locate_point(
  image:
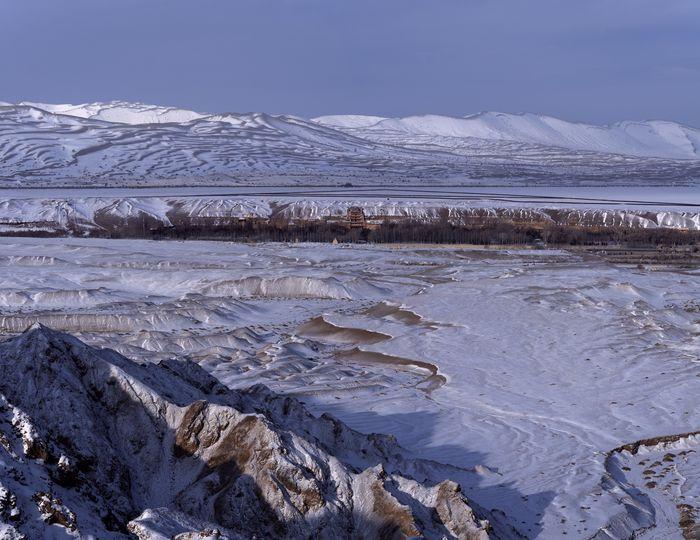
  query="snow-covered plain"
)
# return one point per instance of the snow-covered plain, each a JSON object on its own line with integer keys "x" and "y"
{"x": 131, "y": 144}
{"x": 531, "y": 369}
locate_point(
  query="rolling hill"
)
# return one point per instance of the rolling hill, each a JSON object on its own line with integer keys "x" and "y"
{"x": 125, "y": 144}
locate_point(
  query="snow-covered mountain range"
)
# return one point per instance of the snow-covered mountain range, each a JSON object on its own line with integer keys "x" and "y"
{"x": 642, "y": 139}
{"x": 121, "y": 143}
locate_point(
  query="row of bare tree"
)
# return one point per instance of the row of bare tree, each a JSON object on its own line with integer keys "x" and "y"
{"x": 440, "y": 231}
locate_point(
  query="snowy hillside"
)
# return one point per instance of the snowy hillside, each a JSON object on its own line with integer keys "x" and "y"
{"x": 124, "y": 144}
{"x": 96, "y": 445}
{"x": 642, "y": 139}
{"x": 120, "y": 112}
{"x": 38, "y": 146}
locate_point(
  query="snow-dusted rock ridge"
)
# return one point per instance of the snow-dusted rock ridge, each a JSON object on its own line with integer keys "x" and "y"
{"x": 98, "y": 215}
{"x": 133, "y": 144}
{"x": 95, "y": 444}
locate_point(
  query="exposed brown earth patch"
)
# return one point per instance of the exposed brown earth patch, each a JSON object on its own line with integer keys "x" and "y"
{"x": 430, "y": 383}
{"x": 688, "y": 522}
{"x": 634, "y": 447}
{"x": 320, "y": 328}
{"x": 397, "y": 520}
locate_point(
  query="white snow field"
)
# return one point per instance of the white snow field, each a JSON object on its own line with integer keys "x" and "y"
{"x": 131, "y": 144}
{"x": 566, "y": 389}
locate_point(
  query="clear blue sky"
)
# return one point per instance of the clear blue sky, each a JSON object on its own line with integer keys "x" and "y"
{"x": 587, "y": 60}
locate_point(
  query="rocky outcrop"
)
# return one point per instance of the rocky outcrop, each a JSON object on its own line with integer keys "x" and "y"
{"x": 650, "y": 478}
{"x": 95, "y": 444}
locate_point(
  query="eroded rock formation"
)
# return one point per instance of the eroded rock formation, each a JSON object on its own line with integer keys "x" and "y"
{"x": 95, "y": 444}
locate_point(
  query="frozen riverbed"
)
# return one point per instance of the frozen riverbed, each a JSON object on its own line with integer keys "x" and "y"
{"x": 642, "y": 197}
{"x": 529, "y": 368}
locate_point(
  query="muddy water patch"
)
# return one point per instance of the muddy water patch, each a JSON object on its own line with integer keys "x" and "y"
{"x": 389, "y": 310}
{"x": 320, "y": 328}
{"x": 432, "y": 382}
{"x": 393, "y": 311}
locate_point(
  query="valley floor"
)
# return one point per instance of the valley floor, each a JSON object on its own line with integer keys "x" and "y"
{"x": 530, "y": 369}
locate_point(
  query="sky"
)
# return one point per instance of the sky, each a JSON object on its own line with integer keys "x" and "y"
{"x": 595, "y": 61}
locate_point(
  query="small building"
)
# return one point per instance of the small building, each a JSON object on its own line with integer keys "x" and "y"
{"x": 356, "y": 217}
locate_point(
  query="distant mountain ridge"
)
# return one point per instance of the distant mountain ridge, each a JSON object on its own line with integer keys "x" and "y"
{"x": 651, "y": 138}
{"x": 121, "y": 143}
{"x": 643, "y": 139}
{"x": 121, "y": 112}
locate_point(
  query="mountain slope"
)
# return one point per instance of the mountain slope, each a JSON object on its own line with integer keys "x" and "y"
{"x": 94, "y": 444}
{"x": 124, "y": 144}
{"x": 121, "y": 112}
{"x": 38, "y": 147}
{"x": 641, "y": 139}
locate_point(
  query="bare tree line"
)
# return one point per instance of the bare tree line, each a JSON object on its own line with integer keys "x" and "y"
{"x": 441, "y": 231}
{"x": 444, "y": 228}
